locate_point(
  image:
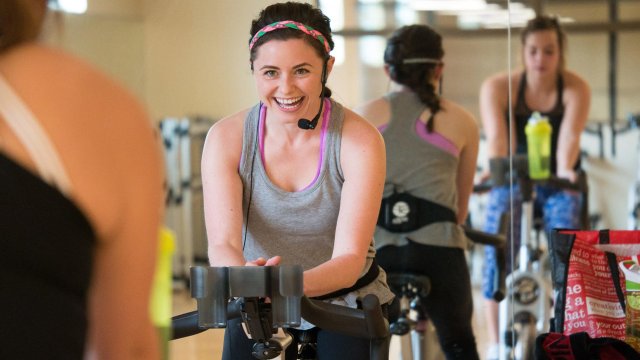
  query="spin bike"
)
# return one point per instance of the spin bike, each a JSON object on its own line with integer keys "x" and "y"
{"x": 224, "y": 293}
{"x": 634, "y": 194}
{"x": 526, "y": 310}
{"x": 413, "y": 325}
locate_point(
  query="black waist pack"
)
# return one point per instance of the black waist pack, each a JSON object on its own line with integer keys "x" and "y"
{"x": 402, "y": 212}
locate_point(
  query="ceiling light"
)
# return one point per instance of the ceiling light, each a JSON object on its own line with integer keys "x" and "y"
{"x": 70, "y": 6}
{"x": 496, "y": 17}
{"x": 448, "y": 5}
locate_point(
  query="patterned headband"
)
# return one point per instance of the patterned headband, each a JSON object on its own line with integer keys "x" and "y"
{"x": 421, "y": 61}
{"x": 292, "y": 25}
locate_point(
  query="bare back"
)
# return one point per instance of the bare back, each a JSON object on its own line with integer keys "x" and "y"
{"x": 109, "y": 152}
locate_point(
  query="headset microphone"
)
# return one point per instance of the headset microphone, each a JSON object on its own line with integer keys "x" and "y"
{"x": 311, "y": 124}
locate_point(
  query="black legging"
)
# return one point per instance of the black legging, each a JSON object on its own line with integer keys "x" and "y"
{"x": 331, "y": 346}
{"x": 450, "y": 303}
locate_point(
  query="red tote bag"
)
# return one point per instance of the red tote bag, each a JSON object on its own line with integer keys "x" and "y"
{"x": 588, "y": 285}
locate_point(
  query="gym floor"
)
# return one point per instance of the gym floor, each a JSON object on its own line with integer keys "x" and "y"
{"x": 208, "y": 344}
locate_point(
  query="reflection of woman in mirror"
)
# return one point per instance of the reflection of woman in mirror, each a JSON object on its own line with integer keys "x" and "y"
{"x": 281, "y": 190}
{"x": 80, "y": 203}
{"x": 432, "y": 146}
{"x": 546, "y": 86}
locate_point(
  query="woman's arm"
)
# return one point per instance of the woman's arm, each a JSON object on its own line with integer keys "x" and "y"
{"x": 222, "y": 189}
{"x": 577, "y": 99}
{"x": 494, "y": 94}
{"x": 362, "y": 157}
{"x": 467, "y": 163}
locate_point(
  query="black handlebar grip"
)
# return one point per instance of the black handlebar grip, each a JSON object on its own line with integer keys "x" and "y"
{"x": 499, "y": 277}
{"x": 184, "y": 325}
{"x": 481, "y": 237}
{"x": 378, "y": 328}
{"x": 377, "y": 324}
{"x": 499, "y": 242}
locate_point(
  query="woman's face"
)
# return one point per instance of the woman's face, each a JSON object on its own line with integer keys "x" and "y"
{"x": 542, "y": 53}
{"x": 288, "y": 78}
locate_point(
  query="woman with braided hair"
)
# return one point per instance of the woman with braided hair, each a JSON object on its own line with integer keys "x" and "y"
{"x": 432, "y": 146}
{"x": 297, "y": 178}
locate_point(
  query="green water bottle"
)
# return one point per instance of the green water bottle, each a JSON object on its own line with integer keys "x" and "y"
{"x": 538, "y": 131}
{"x": 162, "y": 289}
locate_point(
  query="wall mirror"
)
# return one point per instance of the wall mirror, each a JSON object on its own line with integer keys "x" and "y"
{"x": 188, "y": 59}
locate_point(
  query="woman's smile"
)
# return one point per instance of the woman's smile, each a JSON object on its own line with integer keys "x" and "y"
{"x": 289, "y": 104}
{"x": 288, "y": 77}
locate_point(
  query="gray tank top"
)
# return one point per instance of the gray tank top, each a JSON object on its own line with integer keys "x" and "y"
{"x": 421, "y": 169}
{"x": 299, "y": 226}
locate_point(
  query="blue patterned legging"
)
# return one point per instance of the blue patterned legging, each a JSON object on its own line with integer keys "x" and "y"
{"x": 560, "y": 209}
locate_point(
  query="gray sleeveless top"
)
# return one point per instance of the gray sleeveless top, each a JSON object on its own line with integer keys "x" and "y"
{"x": 421, "y": 169}
{"x": 299, "y": 226}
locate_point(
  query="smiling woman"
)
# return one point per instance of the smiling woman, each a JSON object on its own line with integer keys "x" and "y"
{"x": 282, "y": 189}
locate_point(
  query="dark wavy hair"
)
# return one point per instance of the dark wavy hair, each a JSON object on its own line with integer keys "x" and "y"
{"x": 299, "y": 12}
{"x": 20, "y": 21}
{"x": 416, "y": 41}
{"x": 543, "y": 23}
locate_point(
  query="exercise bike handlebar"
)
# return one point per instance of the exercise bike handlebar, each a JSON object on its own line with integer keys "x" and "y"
{"x": 186, "y": 324}
{"x": 367, "y": 323}
{"x": 499, "y": 242}
{"x": 504, "y": 170}
{"x": 484, "y": 238}
{"x": 244, "y": 287}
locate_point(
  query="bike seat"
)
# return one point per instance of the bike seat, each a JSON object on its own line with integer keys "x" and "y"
{"x": 401, "y": 280}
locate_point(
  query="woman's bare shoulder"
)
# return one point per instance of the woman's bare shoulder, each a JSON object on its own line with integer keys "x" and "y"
{"x": 354, "y": 123}
{"x": 61, "y": 70}
{"x": 224, "y": 139}
{"x": 361, "y": 142}
{"x": 359, "y": 134}
{"x": 230, "y": 128}
{"x": 497, "y": 81}
{"x": 457, "y": 110}
{"x": 376, "y": 111}
{"x": 459, "y": 123}
{"x": 575, "y": 81}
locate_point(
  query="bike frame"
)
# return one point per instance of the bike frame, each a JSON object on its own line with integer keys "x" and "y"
{"x": 413, "y": 326}
{"x": 634, "y": 192}
{"x": 528, "y": 303}
{"x": 528, "y": 298}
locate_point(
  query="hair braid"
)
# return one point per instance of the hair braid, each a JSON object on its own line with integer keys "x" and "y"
{"x": 416, "y": 41}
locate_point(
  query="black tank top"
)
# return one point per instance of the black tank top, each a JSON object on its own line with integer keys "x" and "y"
{"x": 46, "y": 259}
{"x": 522, "y": 113}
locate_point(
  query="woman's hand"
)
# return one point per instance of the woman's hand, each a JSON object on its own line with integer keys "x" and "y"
{"x": 568, "y": 174}
{"x": 264, "y": 262}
